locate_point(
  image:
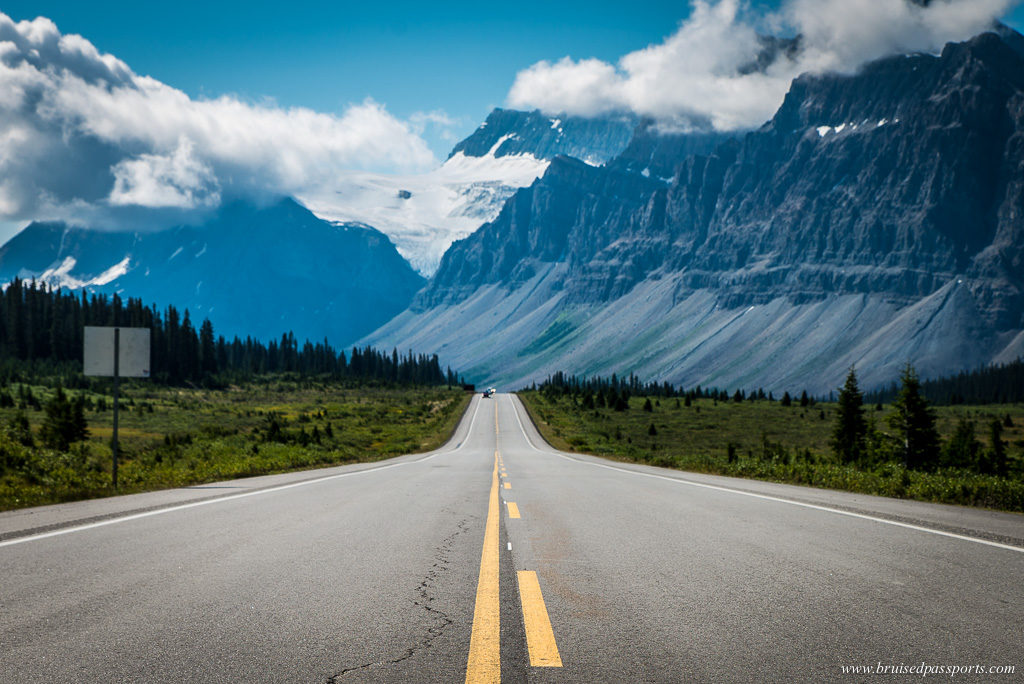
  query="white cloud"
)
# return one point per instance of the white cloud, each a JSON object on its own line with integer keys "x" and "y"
{"x": 178, "y": 180}
{"x": 81, "y": 133}
{"x": 700, "y": 75}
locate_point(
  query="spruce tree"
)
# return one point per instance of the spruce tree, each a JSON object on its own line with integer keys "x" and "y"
{"x": 963, "y": 449}
{"x": 996, "y": 461}
{"x": 849, "y": 436}
{"x": 64, "y": 422}
{"x": 914, "y": 421}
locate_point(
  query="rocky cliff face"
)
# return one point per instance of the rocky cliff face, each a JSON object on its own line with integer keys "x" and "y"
{"x": 901, "y": 185}
{"x": 656, "y": 152}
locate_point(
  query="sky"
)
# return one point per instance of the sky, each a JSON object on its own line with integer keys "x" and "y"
{"x": 111, "y": 108}
{"x": 456, "y": 58}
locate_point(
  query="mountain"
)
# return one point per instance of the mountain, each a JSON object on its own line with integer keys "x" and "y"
{"x": 506, "y": 132}
{"x": 424, "y": 213}
{"x": 252, "y": 270}
{"x": 875, "y": 220}
{"x": 654, "y": 151}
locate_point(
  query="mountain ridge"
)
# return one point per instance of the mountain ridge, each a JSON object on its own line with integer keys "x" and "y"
{"x": 896, "y": 190}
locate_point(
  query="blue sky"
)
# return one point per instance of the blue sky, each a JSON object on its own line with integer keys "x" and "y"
{"x": 459, "y": 57}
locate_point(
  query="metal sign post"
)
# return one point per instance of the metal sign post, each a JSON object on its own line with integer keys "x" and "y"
{"x": 117, "y": 363}
{"x": 117, "y": 352}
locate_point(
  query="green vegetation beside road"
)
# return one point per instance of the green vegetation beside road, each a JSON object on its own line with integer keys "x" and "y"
{"x": 174, "y": 436}
{"x": 762, "y": 439}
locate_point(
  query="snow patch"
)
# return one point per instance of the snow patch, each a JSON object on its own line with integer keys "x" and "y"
{"x": 113, "y": 273}
{"x": 176, "y": 253}
{"x": 852, "y": 126}
{"x": 555, "y": 123}
{"x": 493, "y": 152}
{"x": 445, "y": 204}
{"x": 61, "y": 275}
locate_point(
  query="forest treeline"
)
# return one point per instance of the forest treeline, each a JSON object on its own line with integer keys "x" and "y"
{"x": 996, "y": 384}
{"x": 40, "y": 326}
{"x": 614, "y": 392}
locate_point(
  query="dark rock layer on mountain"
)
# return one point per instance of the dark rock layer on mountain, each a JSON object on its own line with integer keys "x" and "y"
{"x": 902, "y": 184}
{"x": 508, "y": 132}
{"x": 256, "y": 271}
{"x": 656, "y": 151}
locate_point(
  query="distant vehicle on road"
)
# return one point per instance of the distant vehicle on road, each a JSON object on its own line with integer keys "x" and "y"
{"x": 489, "y": 391}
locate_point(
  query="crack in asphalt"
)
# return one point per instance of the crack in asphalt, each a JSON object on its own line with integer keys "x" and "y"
{"x": 423, "y": 600}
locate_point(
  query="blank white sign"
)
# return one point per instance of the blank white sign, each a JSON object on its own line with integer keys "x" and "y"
{"x": 133, "y": 347}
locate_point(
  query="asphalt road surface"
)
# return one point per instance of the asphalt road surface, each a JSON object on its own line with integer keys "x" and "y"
{"x": 498, "y": 557}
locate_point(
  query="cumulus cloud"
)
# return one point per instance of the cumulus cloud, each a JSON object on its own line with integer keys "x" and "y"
{"x": 178, "y": 180}
{"x": 82, "y": 135}
{"x": 717, "y": 70}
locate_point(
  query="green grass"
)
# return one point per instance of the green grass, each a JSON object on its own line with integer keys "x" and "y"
{"x": 173, "y": 437}
{"x": 783, "y": 444}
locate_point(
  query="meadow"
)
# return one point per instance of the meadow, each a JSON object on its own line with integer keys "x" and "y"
{"x": 765, "y": 440}
{"x": 176, "y": 437}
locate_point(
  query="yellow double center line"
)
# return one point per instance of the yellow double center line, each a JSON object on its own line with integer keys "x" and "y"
{"x": 484, "y": 663}
{"x": 485, "y": 643}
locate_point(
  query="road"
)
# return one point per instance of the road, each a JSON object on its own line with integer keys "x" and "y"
{"x": 497, "y": 556}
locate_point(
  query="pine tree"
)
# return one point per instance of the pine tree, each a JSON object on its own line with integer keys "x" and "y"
{"x": 995, "y": 463}
{"x": 786, "y": 400}
{"x": 20, "y": 430}
{"x": 207, "y": 348}
{"x": 64, "y": 422}
{"x": 914, "y": 421}
{"x": 588, "y": 400}
{"x": 963, "y": 448}
{"x": 849, "y": 436}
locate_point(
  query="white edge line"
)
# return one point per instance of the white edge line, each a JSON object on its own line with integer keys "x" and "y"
{"x": 768, "y": 497}
{"x": 233, "y": 497}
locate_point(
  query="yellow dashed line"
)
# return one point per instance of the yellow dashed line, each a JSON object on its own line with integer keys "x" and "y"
{"x": 540, "y": 638}
{"x": 513, "y": 510}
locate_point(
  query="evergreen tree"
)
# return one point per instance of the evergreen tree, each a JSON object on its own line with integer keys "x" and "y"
{"x": 804, "y": 399}
{"x": 207, "y": 348}
{"x": 786, "y": 400}
{"x": 64, "y": 422}
{"x": 914, "y": 421}
{"x": 19, "y": 428}
{"x": 588, "y": 400}
{"x": 963, "y": 448}
{"x": 850, "y": 432}
{"x": 647, "y": 405}
{"x": 996, "y": 461}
